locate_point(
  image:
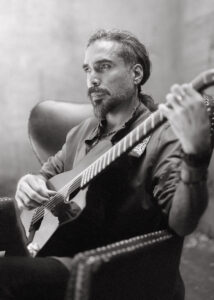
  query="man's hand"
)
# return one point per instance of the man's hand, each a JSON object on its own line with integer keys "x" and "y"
{"x": 188, "y": 117}
{"x": 32, "y": 192}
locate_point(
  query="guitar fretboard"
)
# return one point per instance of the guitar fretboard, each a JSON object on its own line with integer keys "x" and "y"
{"x": 124, "y": 145}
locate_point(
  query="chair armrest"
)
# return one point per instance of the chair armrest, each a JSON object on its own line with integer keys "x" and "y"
{"x": 138, "y": 268}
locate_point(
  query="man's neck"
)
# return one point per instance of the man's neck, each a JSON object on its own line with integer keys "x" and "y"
{"x": 121, "y": 115}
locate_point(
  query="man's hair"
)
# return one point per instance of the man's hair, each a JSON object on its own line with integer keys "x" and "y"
{"x": 132, "y": 50}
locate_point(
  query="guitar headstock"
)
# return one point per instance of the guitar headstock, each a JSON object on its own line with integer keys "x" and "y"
{"x": 200, "y": 83}
{"x": 209, "y": 101}
{"x": 203, "y": 80}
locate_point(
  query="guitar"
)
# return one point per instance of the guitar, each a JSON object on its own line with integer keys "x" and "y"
{"x": 71, "y": 186}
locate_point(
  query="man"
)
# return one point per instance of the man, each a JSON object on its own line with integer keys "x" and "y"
{"x": 161, "y": 184}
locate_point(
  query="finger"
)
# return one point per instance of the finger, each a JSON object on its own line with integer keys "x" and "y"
{"x": 178, "y": 90}
{"x": 165, "y": 110}
{"x": 46, "y": 190}
{"x": 191, "y": 92}
{"x": 173, "y": 101}
{"x": 32, "y": 194}
{"x": 23, "y": 201}
{"x": 20, "y": 203}
{"x": 51, "y": 193}
{"x": 38, "y": 185}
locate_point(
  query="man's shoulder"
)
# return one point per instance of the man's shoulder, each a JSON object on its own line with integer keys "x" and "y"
{"x": 164, "y": 138}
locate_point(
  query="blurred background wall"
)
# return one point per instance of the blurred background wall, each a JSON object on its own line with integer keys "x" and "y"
{"x": 41, "y": 53}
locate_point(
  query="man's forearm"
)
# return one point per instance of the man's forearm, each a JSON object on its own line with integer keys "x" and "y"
{"x": 189, "y": 201}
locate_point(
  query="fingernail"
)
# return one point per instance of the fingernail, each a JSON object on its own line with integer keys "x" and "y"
{"x": 186, "y": 86}
{"x": 51, "y": 192}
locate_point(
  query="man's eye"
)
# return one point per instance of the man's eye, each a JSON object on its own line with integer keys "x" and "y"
{"x": 86, "y": 70}
{"x": 105, "y": 66}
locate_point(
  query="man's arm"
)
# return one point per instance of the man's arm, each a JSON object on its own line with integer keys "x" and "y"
{"x": 31, "y": 190}
{"x": 188, "y": 118}
{"x": 189, "y": 201}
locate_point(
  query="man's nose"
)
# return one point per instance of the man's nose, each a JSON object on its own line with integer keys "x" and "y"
{"x": 94, "y": 80}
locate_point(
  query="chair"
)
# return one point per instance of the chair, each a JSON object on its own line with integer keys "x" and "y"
{"x": 49, "y": 123}
{"x": 143, "y": 267}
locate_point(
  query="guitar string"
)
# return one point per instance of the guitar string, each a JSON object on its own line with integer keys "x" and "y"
{"x": 49, "y": 206}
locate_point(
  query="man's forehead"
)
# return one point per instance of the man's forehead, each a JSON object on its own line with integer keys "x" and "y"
{"x": 102, "y": 49}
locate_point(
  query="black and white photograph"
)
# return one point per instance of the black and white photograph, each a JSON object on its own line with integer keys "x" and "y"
{"x": 106, "y": 150}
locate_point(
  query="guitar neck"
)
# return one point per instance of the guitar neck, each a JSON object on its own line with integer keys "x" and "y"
{"x": 123, "y": 146}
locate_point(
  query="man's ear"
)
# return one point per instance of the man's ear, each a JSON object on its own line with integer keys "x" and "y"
{"x": 137, "y": 70}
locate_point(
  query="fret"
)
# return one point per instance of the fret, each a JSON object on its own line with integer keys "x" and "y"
{"x": 88, "y": 173}
{"x": 118, "y": 148}
{"x": 104, "y": 161}
{"x": 83, "y": 182}
{"x": 137, "y": 133}
{"x": 124, "y": 144}
{"x": 130, "y": 139}
{"x": 113, "y": 153}
{"x": 96, "y": 164}
{"x": 109, "y": 156}
{"x": 85, "y": 176}
{"x": 145, "y": 127}
{"x": 92, "y": 171}
{"x": 153, "y": 121}
{"x": 100, "y": 164}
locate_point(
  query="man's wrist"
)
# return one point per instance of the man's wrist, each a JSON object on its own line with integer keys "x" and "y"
{"x": 199, "y": 160}
{"x": 42, "y": 176}
{"x": 192, "y": 174}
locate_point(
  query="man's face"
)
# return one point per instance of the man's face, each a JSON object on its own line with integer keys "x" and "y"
{"x": 109, "y": 79}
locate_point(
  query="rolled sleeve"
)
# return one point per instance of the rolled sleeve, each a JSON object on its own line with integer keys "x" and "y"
{"x": 166, "y": 173}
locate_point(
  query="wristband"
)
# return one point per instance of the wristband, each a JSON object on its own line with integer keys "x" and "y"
{"x": 193, "y": 175}
{"x": 196, "y": 160}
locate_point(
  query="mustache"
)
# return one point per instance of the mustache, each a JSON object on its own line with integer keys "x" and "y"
{"x": 97, "y": 90}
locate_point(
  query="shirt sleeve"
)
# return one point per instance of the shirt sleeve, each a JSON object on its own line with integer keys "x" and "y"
{"x": 64, "y": 159}
{"x": 54, "y": 165}
{"x": 166, "y": 170}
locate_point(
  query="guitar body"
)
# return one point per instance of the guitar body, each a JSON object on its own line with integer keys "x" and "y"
{"x": 48, "y": 226}
{"x": 50, "y": 223}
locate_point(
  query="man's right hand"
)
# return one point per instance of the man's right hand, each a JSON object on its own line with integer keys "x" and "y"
{"x": 32, "y": 192}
